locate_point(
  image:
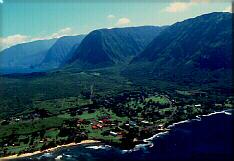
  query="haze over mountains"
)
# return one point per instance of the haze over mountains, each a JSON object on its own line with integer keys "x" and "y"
{"x": 100, "y": 48}
{"x": 39, "y": 55}
{"x": 24, "y": 56}
{"x": 195, "y": 45}
{"x": 60, "y": 52}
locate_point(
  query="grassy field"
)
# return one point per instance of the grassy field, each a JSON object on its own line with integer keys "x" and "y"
{"x": 28, "y": 127}
{"x": 59, "y": 91}
{"x": 160, "y": 99}
{"x": 55, "y": 91}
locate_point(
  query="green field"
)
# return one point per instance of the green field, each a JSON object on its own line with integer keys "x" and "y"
{"x": 159, "y": 99}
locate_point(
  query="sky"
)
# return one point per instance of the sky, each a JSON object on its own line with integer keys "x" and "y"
{"x": 29, "y": 20}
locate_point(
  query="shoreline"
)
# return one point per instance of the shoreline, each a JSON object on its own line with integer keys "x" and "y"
{"x": 147, "y": 141}
{"x": 48, "y": 150}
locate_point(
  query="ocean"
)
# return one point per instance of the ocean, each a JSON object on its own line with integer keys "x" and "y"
{"x": 207, "y": 138}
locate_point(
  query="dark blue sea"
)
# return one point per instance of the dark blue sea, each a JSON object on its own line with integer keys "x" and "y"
{"x": 205, "y": 138}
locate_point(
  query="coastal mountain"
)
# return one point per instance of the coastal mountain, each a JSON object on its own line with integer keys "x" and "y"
{"x": 106, "y": 47}
{"x": 41, "y": 55}
{"x": 199, "y": 48}
{"x": 61, "y": 51}
{"x": 23, "y": 57}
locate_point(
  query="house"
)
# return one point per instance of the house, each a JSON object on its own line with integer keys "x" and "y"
{"x": 106, "y": 121}
{"x": 197, "y": 105}
{"x": 17, "y": 119}
{"x": 99, "y": 125}
{"x": 160, "y": 126}
{"x": 113, "y": 133}
{"x": 94, "y": 127}
{"x": 145, "y": 122}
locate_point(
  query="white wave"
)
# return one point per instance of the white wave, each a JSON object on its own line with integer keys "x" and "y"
{"x": 124, "y": 151}
{"x": 177, "y": 123}
{"x": 198, "y": 118}
{"x": 47, "y": 155}
{"x": 148, "y": 141}
{"x": 228, "y": 113}
{"x": 58, "y": 157}
{"x": 99, "y": 147}
{"x": 67, "y": 155}
{"x": 213, "y": 113}
{"x": 155, "y": 136}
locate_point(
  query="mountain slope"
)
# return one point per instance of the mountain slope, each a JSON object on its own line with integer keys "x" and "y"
{"x": 106, "y": 47}
{"x": 60, "y": 52}
{"x": 197, "y": 47}
{"x": 24, "y": 56}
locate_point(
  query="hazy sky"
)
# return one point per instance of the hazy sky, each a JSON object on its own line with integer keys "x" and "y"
{"x": 28, "y": 20}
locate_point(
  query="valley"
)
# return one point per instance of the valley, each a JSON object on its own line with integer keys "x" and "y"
{"x": 113, "y": 110}
{"x": 116, "y": 86}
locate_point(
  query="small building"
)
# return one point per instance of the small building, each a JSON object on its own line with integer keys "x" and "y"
{"x": 145, "y": 122}
{"x": 17, "y": 119}
{"x": 106, "y": 121}
{"x": 197, "y": 105}
{"x": 99, "y": 125}
{"x": 113, "y": 133}
{"x": 160, "y": 126}
{"x": 94, "y": 127}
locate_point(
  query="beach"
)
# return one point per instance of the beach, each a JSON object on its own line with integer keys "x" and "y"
{"x": 150, "y": 142}
{"x": 48, "y": 150}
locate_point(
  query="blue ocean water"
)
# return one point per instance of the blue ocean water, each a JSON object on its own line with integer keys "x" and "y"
{"x": 205, "y": 138}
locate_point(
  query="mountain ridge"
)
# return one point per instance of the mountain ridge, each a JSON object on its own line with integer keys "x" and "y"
{"x": 106, "y": 47}
{"x": 60, "y": 52}
{"x": 194, "y": 50}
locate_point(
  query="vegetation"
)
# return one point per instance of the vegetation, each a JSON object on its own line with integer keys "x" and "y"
{"x": 122, "y": 104}
{"x": 123, "y": 114}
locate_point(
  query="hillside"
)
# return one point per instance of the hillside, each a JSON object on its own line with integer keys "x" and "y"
{"x": 106, "y": 47}
{"x": 197, "y": 49}
{"x": 24, "y": 57}
{"x": 60, "y": 52}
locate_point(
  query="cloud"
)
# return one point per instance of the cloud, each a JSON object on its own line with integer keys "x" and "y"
{"x": 200, "y": 1}
{"x": 18, "y": 38}
{"x": 123, "y": 21}
{"x": 178, "y": 6}
{"x": 1, "y": 1}
{"x": 228, "y": 9}
{"x": 183, "y": 6}
{"x": 60, "y": 33}
{"x": 13, "y": 40}
{"x": 111, "y": 16}
{"x": 63, "y": 32}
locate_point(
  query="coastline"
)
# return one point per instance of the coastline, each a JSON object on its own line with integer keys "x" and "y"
{"x": 147, "y": 141}
{"x": 48, "y": 150}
